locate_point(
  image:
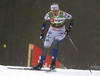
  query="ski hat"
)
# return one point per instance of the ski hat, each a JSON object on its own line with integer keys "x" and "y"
{"x": 54, "y": 7}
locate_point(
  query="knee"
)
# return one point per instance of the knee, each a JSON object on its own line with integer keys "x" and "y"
{"x": 55, "y": 44}
{"x": 47, "y": 44}
{"x": 45, "y": 51}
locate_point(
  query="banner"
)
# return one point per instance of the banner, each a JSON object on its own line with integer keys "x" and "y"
{"x": 36, "y": 57}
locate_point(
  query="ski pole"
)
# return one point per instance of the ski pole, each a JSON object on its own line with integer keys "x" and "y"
{"x": 79, "y": 54}
{"x": 72, "y": 42}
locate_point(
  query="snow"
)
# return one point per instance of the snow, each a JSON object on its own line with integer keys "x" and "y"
{"x": 4, "y": 71}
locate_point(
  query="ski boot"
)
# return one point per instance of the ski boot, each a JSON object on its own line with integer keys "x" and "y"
{"x": 53, "y": 64}
{"x": 37, "y": 67}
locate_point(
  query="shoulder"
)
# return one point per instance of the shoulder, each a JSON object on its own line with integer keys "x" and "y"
{"x": 48, "y": 13}
{"x": 66, "y": 15}
{"x": 63, "y": 12}
{"x": 46, "y": 17}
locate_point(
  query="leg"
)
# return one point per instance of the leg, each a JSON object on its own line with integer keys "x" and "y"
{"x": 56, "y": 42}
{"x": 55, "y": 48}
{"x": 47, "y": 45}
{"x": 48, "y": 41}
{"x": 54, "y": 53}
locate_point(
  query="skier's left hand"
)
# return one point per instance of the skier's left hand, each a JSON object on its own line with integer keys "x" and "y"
{"x": 67, "y": 32}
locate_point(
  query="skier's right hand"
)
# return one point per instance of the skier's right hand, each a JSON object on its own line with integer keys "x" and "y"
{"x": 41, "y": 36}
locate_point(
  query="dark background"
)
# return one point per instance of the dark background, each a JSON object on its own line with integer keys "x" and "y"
{"x": 20, "y": 24}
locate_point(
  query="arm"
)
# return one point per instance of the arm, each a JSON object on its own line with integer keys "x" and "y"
{"x": 70, "y": 26}
{"x": 43, "y": 28}
{"x": 68, "y": 16}
{"x": 46, "y": 17}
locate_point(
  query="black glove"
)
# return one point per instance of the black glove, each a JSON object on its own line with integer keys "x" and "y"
{"x": 67, "y": 32}
{"x": 42, "y": 36}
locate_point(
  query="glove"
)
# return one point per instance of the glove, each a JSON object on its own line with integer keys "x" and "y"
{"x": 67, "y": 32}
{"x": 41, "y": 36}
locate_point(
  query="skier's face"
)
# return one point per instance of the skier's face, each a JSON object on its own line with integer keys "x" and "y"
{"x": 55, "y": 12}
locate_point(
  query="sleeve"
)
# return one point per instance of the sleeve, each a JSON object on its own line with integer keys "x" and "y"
{"x": 67, "y": 16}
{"x": 46, "y": 17}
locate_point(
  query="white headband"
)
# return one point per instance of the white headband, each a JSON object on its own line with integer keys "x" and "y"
{"x": 55, "y": 7}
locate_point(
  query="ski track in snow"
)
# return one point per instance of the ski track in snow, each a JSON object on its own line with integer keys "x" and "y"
{"x": 4, "y": 71}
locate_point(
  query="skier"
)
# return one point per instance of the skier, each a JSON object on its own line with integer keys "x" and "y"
{"x": 55, "y": 34}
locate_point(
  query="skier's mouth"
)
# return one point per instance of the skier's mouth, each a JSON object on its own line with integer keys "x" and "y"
{"x": 55, "y": 14}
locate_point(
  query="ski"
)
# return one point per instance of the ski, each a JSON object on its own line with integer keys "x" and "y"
{"x": 51, "y": 70}
{"x": 18, "y": 68}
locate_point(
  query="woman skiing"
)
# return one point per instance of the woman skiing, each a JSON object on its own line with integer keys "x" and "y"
{"x": 55, "y": 34}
